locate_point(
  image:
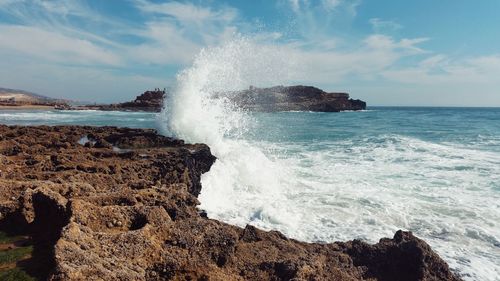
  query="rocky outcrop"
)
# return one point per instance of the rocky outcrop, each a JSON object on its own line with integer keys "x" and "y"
{"x": 293, "y": 98}
{"x": 151, "y": 101}
{"x": 279, "y": 98}
{"x": 121, "y": 204}
{"x": 148, "y": 101}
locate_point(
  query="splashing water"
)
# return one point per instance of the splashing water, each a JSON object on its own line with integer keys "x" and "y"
{"x": 195, "y": 115}
{"x": 317, "y": 177}
{"x": 192, "y": 111}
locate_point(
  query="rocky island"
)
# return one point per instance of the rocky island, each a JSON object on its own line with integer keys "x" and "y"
{"x": 106, "y": 203}
{"x": 150, "y": 101}
{"x": 293, "y": 98}
{"x": 279, "y": 98}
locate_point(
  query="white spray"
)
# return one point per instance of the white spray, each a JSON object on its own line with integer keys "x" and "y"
{"x": 193, "y": 114}
{"x": 342, "y": 189}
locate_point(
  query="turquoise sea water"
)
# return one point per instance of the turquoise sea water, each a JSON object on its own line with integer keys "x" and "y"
{"x": 338, "y": 176}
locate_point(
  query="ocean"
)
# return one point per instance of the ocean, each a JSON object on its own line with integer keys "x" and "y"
{"x": 324, "y": 177}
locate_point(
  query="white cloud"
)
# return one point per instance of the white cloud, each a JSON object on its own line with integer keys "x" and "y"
{"x": 432, "y": 61}
{"x": 316, "y": 22}
{"x": 377, "y": 54}
{"x": 331, "y": 4}
{"x": 48, "y": 39}
{"x": 442, "y": 70}
{"x": 180, "y": 30}
{"x": 165, "y": 45}
{"x": 54, "y": 13}
{"x": 53, "y": 47}
{"x": 300, "y": 6}
{"x": 188, "y": 12}
{"x": 295, "y": 4}
{"x": 175, "y": 33}
{"x": 384, "y": 42}
{"x": 383, "y": 26}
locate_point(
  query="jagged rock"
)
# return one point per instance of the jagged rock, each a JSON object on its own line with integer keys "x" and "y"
{"x": 96, "y": 213}
{"x": 151, "y": 101}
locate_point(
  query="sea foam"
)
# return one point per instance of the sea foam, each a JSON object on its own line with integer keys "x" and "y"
{"x": 331, "y": 189}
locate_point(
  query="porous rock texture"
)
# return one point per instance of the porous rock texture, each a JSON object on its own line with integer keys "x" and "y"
{"x": 105, "y": 203}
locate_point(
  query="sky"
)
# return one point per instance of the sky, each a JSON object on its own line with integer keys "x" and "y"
{"x": 386, "y": 52}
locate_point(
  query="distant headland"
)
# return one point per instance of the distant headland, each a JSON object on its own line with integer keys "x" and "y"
{"x": 19, "y": 99}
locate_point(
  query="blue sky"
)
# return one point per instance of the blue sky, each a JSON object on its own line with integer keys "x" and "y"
{"x": 387, "y": 52}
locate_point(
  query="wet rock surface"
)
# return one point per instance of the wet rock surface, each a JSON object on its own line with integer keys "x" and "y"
{"x": 105, "y": 203}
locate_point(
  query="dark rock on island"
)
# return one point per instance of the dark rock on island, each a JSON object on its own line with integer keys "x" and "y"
{"x": 150, "y": 101}
{"x": 106, "y": 203}
{"x": 294, "y": 98}
{"x": 279, "y": 98}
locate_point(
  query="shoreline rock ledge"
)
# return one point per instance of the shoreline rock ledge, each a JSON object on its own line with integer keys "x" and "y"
{"x": 105, "y": 203}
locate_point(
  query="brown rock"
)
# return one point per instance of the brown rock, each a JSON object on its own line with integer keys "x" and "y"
{"x": 293, "y": 98}
{"x": 97, "y": 213}
{"x": 147, "y": 101}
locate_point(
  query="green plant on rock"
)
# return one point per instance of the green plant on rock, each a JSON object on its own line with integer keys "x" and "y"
{"x": 10, "y": 255}
{"x": 15, "y": 255}
{"x": 15, "y": 274}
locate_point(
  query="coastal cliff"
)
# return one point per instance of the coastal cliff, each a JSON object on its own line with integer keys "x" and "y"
{"x": 106, "y": 203}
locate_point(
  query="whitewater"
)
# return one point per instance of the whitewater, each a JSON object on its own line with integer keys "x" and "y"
{"x": 316, "y": 179}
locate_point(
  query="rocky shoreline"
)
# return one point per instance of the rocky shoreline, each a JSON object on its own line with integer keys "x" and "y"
{"x": 106, "y": 203}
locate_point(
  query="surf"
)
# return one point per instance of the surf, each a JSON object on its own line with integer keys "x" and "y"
{"x": 315, "y": 178}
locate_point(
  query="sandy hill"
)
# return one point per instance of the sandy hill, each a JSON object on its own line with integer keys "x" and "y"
{"x": 13, "y": 96}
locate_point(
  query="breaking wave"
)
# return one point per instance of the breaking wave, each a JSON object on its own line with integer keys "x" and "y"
{"x": 301, "y": 178}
